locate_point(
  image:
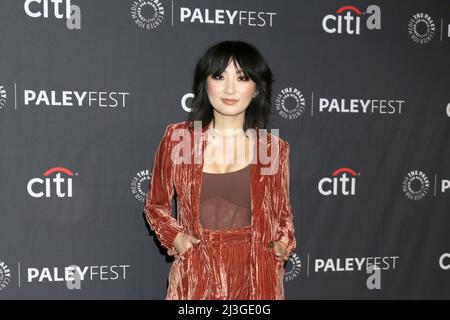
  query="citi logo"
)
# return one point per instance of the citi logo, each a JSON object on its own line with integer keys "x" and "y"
{"x": 342, "y": 182}
{"x": 44, "y": 4}
{"x": 348, "y": 20}
{"x": 444, "y": 261}
{"x": 60, "y": 184}
{"x": 62, "y": 9}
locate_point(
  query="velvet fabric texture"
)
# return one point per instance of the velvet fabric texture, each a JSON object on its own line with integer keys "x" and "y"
{"x": 228, "y": 274}
{"x": 175, "y": 171}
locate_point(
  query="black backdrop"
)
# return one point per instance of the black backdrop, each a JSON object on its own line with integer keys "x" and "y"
{"x": 361, "y": 93}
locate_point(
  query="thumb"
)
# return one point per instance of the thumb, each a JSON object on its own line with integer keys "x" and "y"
{"x": 195, "y": 240}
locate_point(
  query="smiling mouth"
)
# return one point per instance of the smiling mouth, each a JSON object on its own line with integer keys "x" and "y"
{"x": 229, "y": 101}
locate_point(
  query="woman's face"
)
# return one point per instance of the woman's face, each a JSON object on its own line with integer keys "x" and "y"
{"x": 231, "y": 92}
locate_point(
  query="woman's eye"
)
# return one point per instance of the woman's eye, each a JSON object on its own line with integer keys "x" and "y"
{"x": 219, "y": 77}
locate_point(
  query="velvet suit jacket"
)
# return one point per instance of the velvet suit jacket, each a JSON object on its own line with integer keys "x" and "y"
{"x": 271, "y": 217}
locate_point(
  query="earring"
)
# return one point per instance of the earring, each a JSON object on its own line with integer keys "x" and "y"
{"x": 255, "y": 94}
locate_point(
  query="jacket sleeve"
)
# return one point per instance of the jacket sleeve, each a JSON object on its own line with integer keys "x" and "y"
{"x": 158, "y": 202}
{"x": 285, "y": 232}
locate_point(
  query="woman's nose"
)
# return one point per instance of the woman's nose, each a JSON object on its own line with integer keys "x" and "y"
{"x": 229, "y": 86}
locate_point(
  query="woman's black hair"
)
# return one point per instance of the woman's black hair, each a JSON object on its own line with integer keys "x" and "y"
{"x": 252, "y": 64}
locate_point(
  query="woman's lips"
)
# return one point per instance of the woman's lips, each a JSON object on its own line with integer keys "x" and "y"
{"x": 229, "y": 101}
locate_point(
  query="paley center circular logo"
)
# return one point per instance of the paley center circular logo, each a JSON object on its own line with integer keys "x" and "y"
{"x": 5, "y": 275}
{"x": 448, "y": 109}
{"x": 147, "y": 14}
{"x": 293, "y": 268}
{"x": 139, "y": 183}
{"x": 416, "y": 185}
{"x": 290, "y": 103}
{"x": 421, "y": 28}
{"x": 2, "y": 97}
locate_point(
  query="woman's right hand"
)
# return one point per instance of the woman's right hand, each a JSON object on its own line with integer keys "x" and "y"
{"x": 184, "y": 241}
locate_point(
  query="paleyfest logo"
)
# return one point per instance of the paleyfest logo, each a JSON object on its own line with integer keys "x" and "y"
{"x": 149, "y": 14}
{"x": 74, "y": 275}
{"x": 73, "y": 98}
{"x": 371, "y": 265}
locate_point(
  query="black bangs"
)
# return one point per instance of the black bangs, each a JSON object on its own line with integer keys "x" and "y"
{"x": 237, "y": 53}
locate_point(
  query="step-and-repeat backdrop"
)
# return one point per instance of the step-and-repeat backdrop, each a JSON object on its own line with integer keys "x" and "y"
{"x": 361, "y": 93}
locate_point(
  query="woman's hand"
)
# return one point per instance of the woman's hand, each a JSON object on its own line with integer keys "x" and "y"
{"x": 279, "y": 249}
{"x": 184, "y": 241}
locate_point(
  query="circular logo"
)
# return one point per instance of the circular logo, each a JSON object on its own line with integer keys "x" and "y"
{"x": 416, "y": 185}
{"x": 5, "y": 275}
{"x": 137, "y": 184}
{"x": 294, "y": 266}
{"x": 2, "y": 97}
{"x": 147, "y": 14}
{"x": 448, "y": 110}
{"x": 290, "y": 103}
{"x": 421, "y": 28}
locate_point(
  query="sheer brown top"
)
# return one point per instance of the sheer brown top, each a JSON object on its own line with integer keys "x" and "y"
{"x": 225, "y": 200}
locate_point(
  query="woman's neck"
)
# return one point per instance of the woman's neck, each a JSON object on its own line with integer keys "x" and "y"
{"x": 225, "y": 125}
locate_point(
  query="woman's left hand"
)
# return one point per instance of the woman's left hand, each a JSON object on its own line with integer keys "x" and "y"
{"x": 279, "y": 250}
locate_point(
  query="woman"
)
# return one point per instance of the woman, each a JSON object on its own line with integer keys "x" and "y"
{"x": 234, "y": 227}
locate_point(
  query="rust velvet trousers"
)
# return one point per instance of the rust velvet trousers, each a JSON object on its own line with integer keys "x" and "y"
{"x": 229, "y": 274}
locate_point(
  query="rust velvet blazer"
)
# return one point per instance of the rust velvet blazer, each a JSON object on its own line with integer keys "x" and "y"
{"x": 271, "y": 217}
